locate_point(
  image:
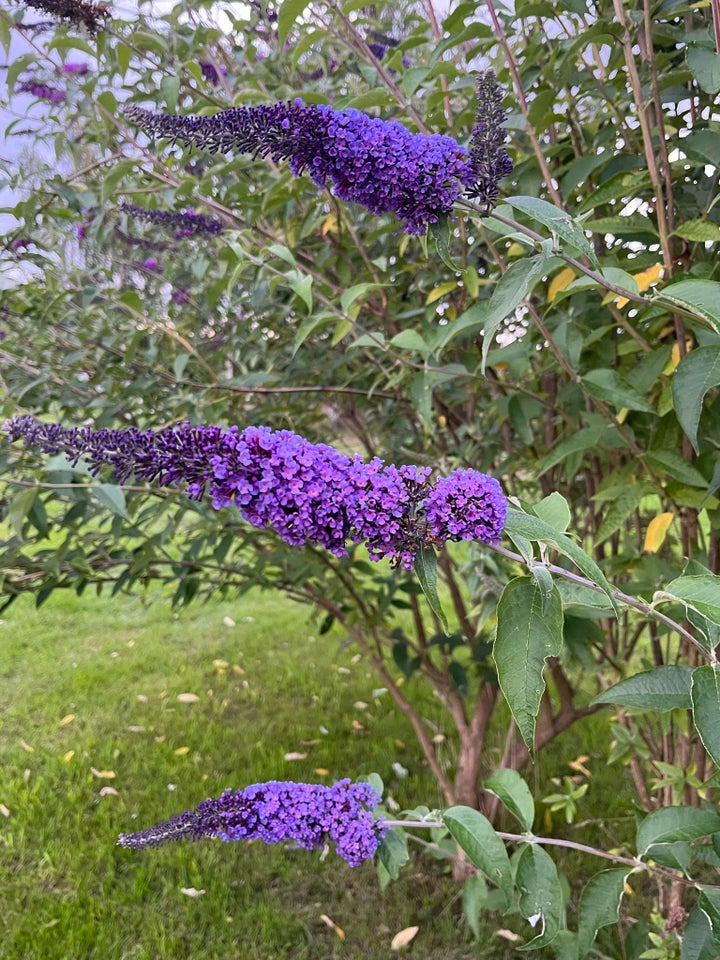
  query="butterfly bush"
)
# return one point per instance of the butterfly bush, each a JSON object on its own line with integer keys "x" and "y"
{"x": 490, "y": 159}
{"x": 379, "y": 164}
{"x": 43, "y": 91}
{"x": 277, "y": 811}
{"x": 305, "y": 492}
{"x": 79, "y": 13}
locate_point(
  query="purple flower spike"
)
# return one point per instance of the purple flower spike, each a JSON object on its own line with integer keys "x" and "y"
{"x": 305, "y": 492}
{"x": 489, "y": 157}
{"x": 76, "y": 69}
{"x": 278, "y": 811}
{"x": 377, "y": 163}
{"x": 187, "y": 223}
{"x": 80, "y": 13}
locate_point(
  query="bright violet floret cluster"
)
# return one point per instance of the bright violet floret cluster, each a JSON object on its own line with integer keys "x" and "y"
{"x": 377, "y": 163}
{"x": 43, "y": 91}
{"x": 305, "y": 492}
{"x": 278, "y": 811}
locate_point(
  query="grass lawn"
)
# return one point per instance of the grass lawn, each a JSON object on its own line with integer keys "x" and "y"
{"x": 96, "y": 742}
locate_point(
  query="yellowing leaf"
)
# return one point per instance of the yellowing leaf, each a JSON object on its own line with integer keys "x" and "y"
{"x": 68, "y": 718}
{"x": 644, "y": 279}
{"x": 357, "y": 725}
{"x": 333, "y": 926}
{"x": 103, "y": 774}
{"x": 181, "y": 751}
{"x": 657, "y": 531}
{"x": 560, "y": 282}
{"x": 321, "y": 772}
{"x": 221, "y": 664}
{"x": 579, "y": 765}
{"x": 516, "y": 250}
{"x": 403, "y": 938}
{"x": 330, "y": 225}
{"x": 68, "y": 756}
{"x": 26, "y": 746}
{"x": 440, "y": 291}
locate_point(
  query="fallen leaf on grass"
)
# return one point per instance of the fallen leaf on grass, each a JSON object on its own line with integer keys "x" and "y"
{"x": 142, "y": 698}
{"x": 68, "y": 718}
{"x": 26, "y": 746}
{"x": 108, "y": 792}
{"x": 188, "y": 698}
{"x": 508, "y": 935}
{"x": 321, "y": 772}
{"x": 68, "y": 756}
{"x": 103, "y": 774}
{"x": 333, "y": 926}
{"x": 295, "y": 756}
{"x": 228, "y": 621}
{"x": 357, "y": 725}
{"x": 403, "y": 938}
{"x": 181, "y": 751}
{"x": 343, "y": 671}
{"x": 4, "y": 810}
{"x": 360, "y": 705}
{"x": 134, "y": 729}
{"x": 191, "y": 892}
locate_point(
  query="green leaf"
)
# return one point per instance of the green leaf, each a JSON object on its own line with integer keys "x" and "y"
{"x": 473, "y": 320}
{"x": 621, "y": 507}
{"x": 169, "y": 90}
{"x": 661, "y": 689}
{"x": 393, "y": 852}
{"x": 697, "y": 373}
{"x": 558, "y": 222}
{"x": 411, "y": 340}
{"x": 113, "y": 497}
{"x": 533, "y": 528}
{"x": 475, "y": 836}
{"x": 290, "y": 11}
{"x": 309, "y": 325}
{"x": 599, "y": 906}
{"x": 545, "y": 583}
{"x": 700, "y": 297}
{"x": 698, "y": 941}
{"x": 706, "y": 708}
{"x": 541, "y": 896}
{"x": 675, "y": 823}
{"x": 698, "y": 231}
{"x": 426, "y": 571}
{"x": 474, "y": 897}
{"x": 705, "y": 67}
{"x": 608, "y": 386}
{"x": 441, "y": 234}
{"x": 19, "y": 508}
{"x": 554, "y": 510}
{"x": 514, "y": 285}
{"x": 510, "y": 788}
{"x": 526, "y": 637}
{"x": 354, "y": 293}
{"x": 677, "y": 467}
{"x": 302, "y": 286}
{"x": 702, "y": 592}
{"x": 703, "y": 145}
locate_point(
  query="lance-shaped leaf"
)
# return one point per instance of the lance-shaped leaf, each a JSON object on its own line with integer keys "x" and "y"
{"x": 541, "y": 899}
{"x": 702, "y": 592}
{"x": 662, "y": 689}
{"x": 559, "y": 223}
{"x": 509, "y": 787}
{"x": 426, "y": 571}
{"x": 675, "y": 823}
{"x": 393, "y": 852}
{"x": 599, "y": 905}
{"x": 697, "y": 373}
{"x": 476, "y": 837}
{"x": 529, "y": 630}
{"x": 700, "y": 297}
{"x": 514, "y": 285}
{"x": 706, "y": 708}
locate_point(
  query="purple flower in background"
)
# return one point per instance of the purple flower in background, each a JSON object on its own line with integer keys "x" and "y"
{"x": 41, "y": 90}
{"x": 489, "y": 157}
{"x": 81, "y": 13}
{"x": 210, "y": 72}
{"x": 76, "y": 69}
{"x": 277, "y": 811}
{"x": 187, "y": 223}
{"x": 377, "y": 163}
{"x": 305, "y": 492}
{"x": 153, "y": 265}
